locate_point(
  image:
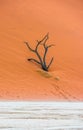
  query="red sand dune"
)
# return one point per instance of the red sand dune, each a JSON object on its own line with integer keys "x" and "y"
{"x": 29, "y": 20}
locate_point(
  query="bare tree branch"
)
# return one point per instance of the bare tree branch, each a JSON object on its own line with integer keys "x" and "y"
{"x": 50, "y": 63}
{"x": 46, "y": 49}
{"x": 44, "y": 57}
{"x": 31, "y": 59}
{"x": 45, "y": 38}
{"x": 50, "y": 45}
{"x": 42, "y": 61}
{"x": 38, "y": 43}
{"x": 29, "y": 46}
{"x": 38, "y": 55}
{"x": 35, "y": 51}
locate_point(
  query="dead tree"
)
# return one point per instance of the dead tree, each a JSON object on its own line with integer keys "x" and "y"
{"x": 41, "y": 61}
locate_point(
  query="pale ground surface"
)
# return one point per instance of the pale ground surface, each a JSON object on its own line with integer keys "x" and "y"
{"x": 41, "y": 116}
{"x": 26, "y": 20}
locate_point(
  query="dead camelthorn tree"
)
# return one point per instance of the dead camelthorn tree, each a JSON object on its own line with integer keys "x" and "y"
{"x": 42, "y": 60}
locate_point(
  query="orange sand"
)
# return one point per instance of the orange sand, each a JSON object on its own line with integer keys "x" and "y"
{"x": 29, "y": 20}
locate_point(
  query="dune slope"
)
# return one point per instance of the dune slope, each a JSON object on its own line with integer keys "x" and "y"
{"x": 29, "y": 21}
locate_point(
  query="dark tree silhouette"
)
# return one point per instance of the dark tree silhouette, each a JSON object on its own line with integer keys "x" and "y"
{"x": 41, "y": 61}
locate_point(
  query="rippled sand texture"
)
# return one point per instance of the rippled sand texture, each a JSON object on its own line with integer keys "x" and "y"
{"x": 41, "y": 116}
{"x": 26, "y": 20}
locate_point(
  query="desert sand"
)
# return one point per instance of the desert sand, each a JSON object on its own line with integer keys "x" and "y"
{"x": 29, "y": 20}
